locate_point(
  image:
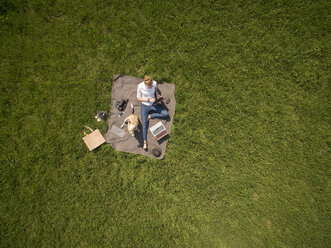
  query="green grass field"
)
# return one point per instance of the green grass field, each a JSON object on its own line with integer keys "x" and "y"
{"x": 248, "y": 160}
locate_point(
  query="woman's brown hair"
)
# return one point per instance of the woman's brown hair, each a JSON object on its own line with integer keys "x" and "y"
{"x": 148, "y": 81}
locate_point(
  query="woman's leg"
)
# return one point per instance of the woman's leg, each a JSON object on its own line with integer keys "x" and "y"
{"x": 144, "y": 114}
{"x": 161, "y": 112}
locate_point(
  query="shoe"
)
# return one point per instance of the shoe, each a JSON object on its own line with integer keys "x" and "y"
{"x": 158, "y": 96}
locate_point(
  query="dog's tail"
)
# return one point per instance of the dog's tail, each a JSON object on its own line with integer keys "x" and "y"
{"x": 132, "y": 108}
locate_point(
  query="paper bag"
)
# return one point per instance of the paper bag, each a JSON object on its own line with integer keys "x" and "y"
{"x": 94, "y": 139}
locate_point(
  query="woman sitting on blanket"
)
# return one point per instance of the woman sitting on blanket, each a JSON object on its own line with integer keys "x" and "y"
{"x": 146, "y": 95}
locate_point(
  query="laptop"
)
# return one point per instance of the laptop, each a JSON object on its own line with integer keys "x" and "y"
{"x": 158, "y": 130}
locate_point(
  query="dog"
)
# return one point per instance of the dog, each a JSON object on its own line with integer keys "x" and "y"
{"x": 132, "y": 121}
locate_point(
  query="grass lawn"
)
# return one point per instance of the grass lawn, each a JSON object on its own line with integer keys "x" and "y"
{"x": 248, "y": 160}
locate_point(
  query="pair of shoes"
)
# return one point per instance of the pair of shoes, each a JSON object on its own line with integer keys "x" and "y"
{"x": 145, "y": 145}
{"x": 158, "y": 96}
{"x": 158, "y": 99}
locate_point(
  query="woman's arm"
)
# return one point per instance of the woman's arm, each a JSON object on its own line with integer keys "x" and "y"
{"x": 142, "y": 99}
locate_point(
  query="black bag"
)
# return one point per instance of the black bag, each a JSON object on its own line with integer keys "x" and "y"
{"x": 121, "y": 105}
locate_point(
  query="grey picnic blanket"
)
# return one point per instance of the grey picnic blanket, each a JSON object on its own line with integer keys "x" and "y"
{"x": 125, "y": 87}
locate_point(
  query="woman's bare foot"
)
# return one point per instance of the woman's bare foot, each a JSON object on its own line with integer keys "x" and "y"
{"x": 148, "y": 117}
{"x": 145, "y": 145}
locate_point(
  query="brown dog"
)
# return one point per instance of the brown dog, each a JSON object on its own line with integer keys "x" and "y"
{"x": 132, "y": 121}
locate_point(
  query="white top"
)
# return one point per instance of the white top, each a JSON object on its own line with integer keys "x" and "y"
{"x": 145, "y": 92}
